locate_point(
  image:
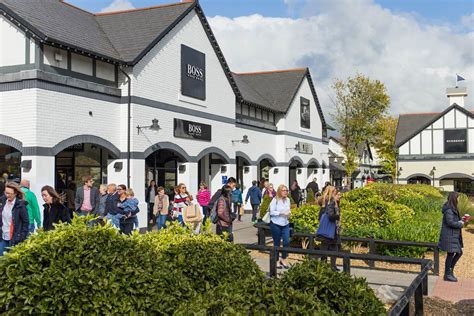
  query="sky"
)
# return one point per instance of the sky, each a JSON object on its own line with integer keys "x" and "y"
{"x": 415, "y": 47}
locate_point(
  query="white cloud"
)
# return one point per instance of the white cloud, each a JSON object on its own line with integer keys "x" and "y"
{"x": 468, "y": 21}
{"x": 118, "y": 5}
{"x": 336, "y": 39}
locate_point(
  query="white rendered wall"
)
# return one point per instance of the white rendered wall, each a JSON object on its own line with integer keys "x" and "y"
{"x": 52, "y": 54}
{"x": 426, "y": 142}
{"x": 105, "y": 70}
{"x": 12, "y": 44}
{"x": 461, "y": 119}
{"x": 438, "y": 142}
{"x": 470, "y": 138}
{"x": 449, "y": 119}
{"x": 292, "y": 120}
{"x": 158, "y": 75}
{"x": 81, "y": 64}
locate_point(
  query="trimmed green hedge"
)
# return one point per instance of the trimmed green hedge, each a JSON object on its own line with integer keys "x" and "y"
{"x": 77, "y": 269}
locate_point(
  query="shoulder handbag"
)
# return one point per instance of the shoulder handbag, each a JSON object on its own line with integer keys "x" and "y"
{"x": 267, "y": 217}
{"x": 327, "y": 228}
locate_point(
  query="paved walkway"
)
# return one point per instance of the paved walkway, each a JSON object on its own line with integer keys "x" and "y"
{"x": 454, "y": 291}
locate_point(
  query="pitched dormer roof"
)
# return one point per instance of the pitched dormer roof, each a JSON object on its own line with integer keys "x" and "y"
{"x": 411, "y": 124}
{"x": 275, "y": 90}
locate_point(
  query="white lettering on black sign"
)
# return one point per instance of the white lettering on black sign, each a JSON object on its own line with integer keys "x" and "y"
{"x": 195, "y": 72}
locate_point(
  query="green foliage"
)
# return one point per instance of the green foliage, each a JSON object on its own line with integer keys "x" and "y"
{"x": 310, "y": 197}
{"x": 81, "y": 270}
{"x": 371, "y": 211}
{"x": 305, "y": 218}
{"x": 465, "y": 206}
{"x": 360, "y": 104}
{"x": 408, "y": 213}
{"x": 77, "y": 269}
{"x": 343, "y": 294}
{"x": 264, "y": 206}
{"x": 384, "y": 142}
{"x": 202, "y": 258}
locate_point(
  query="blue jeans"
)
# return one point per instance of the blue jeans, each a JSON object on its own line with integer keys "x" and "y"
{"x": 161, "y": 221}
{"x": 279, "y": 232}
{"x": 4, "y": 246}
{"x": 180, "y": 219}
{"x": 31, "y": 228}
{"x": 84, "y": 213}
{"x": 114, "y": 219}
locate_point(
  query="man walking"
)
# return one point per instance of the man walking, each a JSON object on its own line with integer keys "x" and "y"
{"x": 32, "y": 206}
{"x": 255, "y": 195}
{"x": 112, "y": 205}
{"x": 87, "y": 197}
{"x": 313, "y": 185}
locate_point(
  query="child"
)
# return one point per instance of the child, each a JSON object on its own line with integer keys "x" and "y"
{"x": 130, "y": 208}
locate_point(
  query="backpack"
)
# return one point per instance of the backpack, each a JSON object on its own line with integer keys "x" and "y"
{"x": 214, "y": 216}
{"x": 214, "y": 199}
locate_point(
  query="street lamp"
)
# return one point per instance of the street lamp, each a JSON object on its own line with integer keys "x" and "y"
{"x": 155, "y": 127}
{"x": 244, "y": 140}
{"x": 432, "y": 173}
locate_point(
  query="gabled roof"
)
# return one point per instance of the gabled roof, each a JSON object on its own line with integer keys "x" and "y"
{"x": 411, "y": 124}
{"x": 274, "y": 90}
{"x": 123, "y": 37}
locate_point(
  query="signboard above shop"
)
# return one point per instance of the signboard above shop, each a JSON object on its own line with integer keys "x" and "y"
{"x": 192, "y": 130}
{"x": 193, "y": 73}
{"x": 455, "y": 141}
{"x": 305, "y": 148}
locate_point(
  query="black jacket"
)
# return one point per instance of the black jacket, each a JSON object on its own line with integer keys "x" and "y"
{"x": 313, "y": 186}
{"x": 20, "y": 219}
{"x": 54, "y": 214}
{"x": 111, "y": 204}
{"x": 450, "y": 237}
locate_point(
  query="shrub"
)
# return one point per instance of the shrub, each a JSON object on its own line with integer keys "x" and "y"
{"x": 372, "y": 212}
{"x": 421, "y": 204}
{"x": 77, "y": 269}
{"x": 305, "y": 218}
{"x": 205, "y": 260}
{"x": 310, "y": 197}
{"x": 264, "y": 206}
{"x": 343, "y": 294}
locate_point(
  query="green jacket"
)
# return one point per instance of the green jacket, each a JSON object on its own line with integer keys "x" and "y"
{"x": 33, "y": 208}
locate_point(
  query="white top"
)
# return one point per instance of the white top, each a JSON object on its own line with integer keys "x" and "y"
{"x": 7, "y": 219}
{"x": 278, "y": 207}
{"x": 152, "y": 195}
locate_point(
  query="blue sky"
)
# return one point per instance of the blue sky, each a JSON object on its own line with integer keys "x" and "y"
{"x": 431, "y": 11}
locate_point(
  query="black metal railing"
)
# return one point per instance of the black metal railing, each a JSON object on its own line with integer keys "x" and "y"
{"x": 417, "y": 288}
{"x": 371, "y": 242}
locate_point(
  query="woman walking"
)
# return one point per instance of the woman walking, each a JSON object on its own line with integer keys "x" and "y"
{"x": 450, "y": 238}
{"x": 237, "y": 201}
{"x": 54, "y": 210}
{"x": 160, "y": 209}
{"x": 14, "y": 220}
{"x": 330, "y": 206}
{"x": 203, "y": 197}
{"x": 224, "y": 222}
{"x": 296, "y": 192}
{"x": 280, "y": 211}
{"x": 151, "y": 193}
{"x": 181, "y": 199}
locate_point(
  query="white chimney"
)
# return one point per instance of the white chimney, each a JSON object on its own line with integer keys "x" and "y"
{"x": 456, "y": 95}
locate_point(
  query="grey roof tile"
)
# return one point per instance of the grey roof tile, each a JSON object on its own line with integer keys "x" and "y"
{"x": 122, "y": 36}
{"x": 273, "y": 90}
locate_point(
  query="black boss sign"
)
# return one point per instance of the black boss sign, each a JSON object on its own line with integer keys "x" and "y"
{"x": 193, "y": 73}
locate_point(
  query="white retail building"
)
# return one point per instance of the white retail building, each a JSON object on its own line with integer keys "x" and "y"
{"x": 66, "y": 111}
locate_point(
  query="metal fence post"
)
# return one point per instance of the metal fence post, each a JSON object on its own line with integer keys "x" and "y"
{"x": 261, "y": 236}
{"x": 436, "y": 261}
{"x": 346, "y": 264}
{"x": 311, "y": 247}
{"x": 424, "y": 282}
{"x": 372, "y": 251}
{"x": 419, "y": 300}
{"x": 273, "y": 261}
{"x": 406, "y": 310}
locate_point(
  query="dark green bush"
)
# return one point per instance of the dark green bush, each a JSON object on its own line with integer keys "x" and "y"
{"x": 343, "y": 294}
{"x": 77, "y": 269}
{"x": 206, "y": 260}
{"x": 310, "y": 197}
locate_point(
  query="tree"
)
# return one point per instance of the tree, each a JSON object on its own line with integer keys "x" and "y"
{"x": 384, "y": 143}
{"x": 360, "y": 104}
